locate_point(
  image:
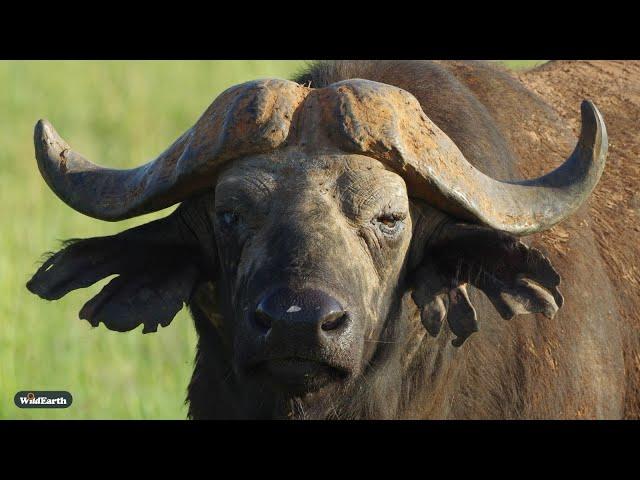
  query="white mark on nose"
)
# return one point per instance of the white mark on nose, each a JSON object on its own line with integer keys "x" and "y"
{"x": 293, "y": 309}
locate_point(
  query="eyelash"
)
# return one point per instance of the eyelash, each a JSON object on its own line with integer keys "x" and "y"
{"x": 389, "y": 224}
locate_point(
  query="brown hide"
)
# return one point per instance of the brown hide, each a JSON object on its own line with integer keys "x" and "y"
{"x": 615, "y": 206}
{"x": 572, "y": 366}
{"x": 576, "y": 359}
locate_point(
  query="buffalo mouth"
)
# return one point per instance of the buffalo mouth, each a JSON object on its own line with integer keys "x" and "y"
{"x": 298, "y": 375}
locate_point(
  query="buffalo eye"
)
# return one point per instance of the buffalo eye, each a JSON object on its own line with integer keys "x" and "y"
{"x": 389, "y": 223}
{"x": 229, "y": 218}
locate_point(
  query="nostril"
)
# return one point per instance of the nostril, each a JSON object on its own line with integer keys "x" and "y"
{"x": 333, "y": 320}
{"x": 303, "y": 314}
{"x": 263, "y": 319}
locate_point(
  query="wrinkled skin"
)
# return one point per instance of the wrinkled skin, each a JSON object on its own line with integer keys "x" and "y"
{"x": 337, "y": 223}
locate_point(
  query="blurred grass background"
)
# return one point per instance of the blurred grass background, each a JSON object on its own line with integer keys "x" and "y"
{"x": 119, "y": 114}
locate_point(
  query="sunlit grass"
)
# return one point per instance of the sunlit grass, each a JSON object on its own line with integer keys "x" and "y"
{"x": 521, "y": 64}
{"x": 120, "y": 114}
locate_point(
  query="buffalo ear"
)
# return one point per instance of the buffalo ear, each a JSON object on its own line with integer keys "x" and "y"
{"x": 516, "y": 278}
{"x": 157, "y": 264}
{"x": 150, "y": 298}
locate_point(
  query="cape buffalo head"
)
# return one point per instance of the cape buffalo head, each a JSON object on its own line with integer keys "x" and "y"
{"x": 306, "y": 215}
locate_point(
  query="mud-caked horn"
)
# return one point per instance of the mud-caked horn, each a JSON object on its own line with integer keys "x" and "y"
{"x": 352, "y": 116}
{"x": 250, "y": 118}
{"x": 388, "y": 123}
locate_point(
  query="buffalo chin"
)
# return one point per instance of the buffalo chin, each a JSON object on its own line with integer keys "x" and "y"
{"x": 298, "y": 376}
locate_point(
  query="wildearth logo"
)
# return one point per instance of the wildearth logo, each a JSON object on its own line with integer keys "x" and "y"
{"x": 42, "y": 399}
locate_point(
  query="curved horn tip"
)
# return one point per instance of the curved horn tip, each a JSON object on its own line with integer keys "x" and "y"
{"x": 588, "y": 107}
{"x": 43, "y": 129}
{"x": 47, "y": 140}
{"x": 593, "y": 125}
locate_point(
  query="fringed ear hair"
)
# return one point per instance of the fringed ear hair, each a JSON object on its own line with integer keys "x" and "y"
{"x": 516, "y": 278}
{"x": 157, "y": 264}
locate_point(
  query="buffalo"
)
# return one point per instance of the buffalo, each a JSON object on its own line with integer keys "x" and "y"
{"x": 356, "y": 242}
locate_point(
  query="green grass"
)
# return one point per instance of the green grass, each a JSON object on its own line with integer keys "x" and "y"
{"x": 521, "y": 64}
{"x": 119, "y": 114}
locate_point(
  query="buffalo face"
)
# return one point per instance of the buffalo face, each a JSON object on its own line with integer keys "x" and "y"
{"x": 311, "y": 253}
